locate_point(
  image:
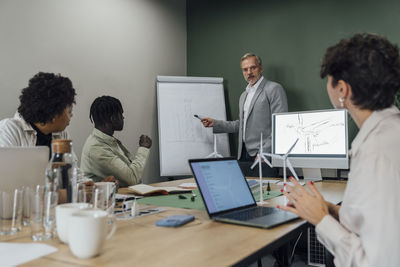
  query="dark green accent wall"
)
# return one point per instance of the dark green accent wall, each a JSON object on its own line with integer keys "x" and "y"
{"x": 290, "y": 36}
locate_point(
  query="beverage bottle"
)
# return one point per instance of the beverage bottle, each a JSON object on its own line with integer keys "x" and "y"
{"x": 61, "y": 171}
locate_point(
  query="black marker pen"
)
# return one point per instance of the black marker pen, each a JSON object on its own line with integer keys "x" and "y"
{"x": 197, "y": 116}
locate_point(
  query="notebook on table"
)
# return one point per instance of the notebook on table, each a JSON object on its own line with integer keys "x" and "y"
{"x": 22, "y": 166}
{"x": 227, "y": 195}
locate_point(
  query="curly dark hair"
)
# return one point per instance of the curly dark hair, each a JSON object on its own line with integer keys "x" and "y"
{"x": 46, "y": 96}
{"x": 103, "y": 109}
{"x": 370, "y": 64}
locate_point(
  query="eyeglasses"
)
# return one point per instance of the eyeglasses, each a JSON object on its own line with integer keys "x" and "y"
{"x": 252, "y": 68}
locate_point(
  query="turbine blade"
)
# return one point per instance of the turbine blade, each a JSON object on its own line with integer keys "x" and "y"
{"x": 254, "y": 164}
{"x": 291, "y": 169}
{"x": 291, "y": 148}
{"x": 266, "y": 161}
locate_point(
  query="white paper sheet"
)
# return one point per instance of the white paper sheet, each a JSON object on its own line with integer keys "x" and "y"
{"x": 12, "y": 254}
{"x": 125, "y": 196}
{"x": 188, "y": 185}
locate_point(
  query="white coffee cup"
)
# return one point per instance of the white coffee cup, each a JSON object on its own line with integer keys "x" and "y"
{"x": 88, "y": 230}
{"x": 63, "y": 212}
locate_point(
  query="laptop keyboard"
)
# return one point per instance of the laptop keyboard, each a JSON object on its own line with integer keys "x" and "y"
{"x": 252, "y": 213}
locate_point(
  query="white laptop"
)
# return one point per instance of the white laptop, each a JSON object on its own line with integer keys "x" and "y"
{"x": 22, "y": 166}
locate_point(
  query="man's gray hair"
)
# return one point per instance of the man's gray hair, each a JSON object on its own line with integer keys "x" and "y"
{"x": 247, "y": 55}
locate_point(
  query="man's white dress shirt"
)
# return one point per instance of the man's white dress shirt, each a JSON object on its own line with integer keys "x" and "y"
{"x": 251, "y": 90}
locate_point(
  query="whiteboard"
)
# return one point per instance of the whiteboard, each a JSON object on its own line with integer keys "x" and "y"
{"x": 181, "y": 135}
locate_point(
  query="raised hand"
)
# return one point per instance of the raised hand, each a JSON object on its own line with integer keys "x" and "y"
{"x": 145, "y": 141}
{"x": 310, "y": 206}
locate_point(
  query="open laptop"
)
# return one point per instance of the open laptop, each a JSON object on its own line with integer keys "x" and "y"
{"x": 227, "y": 195}
{"x": 22, "y": 166}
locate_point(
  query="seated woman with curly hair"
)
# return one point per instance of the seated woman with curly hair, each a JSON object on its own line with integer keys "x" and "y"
{"x": 44, "y": 112}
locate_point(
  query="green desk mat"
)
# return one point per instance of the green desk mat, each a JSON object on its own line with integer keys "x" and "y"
{"x": 175, "y": 202}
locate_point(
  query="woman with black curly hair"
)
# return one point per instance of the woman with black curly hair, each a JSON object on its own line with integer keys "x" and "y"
{"x": 44, "y": 112}
{"x": 363, "y": 77}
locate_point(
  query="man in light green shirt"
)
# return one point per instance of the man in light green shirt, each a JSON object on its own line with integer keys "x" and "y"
{"x": 104, "y": 155}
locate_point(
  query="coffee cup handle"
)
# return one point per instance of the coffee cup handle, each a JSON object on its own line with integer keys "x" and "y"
{"x": 113, "y": 225}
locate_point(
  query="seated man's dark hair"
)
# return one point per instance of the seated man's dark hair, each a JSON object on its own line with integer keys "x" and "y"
{"x": 370, "y": 64}
{"x": 103, "y": 109}
{"x": 46, "y": 96}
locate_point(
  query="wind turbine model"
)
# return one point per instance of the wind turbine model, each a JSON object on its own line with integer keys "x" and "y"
{"x": 262, "y": 156}
{"x": 215, "y": 153}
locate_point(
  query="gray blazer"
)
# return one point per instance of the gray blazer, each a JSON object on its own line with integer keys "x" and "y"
{"x": 270, "y": 97}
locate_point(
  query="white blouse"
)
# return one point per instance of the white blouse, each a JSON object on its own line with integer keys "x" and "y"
{"x": 17, "y": 132}
{"x": 368, "y": 230}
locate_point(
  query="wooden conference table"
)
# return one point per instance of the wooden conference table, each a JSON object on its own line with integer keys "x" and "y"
{"x": 139, "y": 242}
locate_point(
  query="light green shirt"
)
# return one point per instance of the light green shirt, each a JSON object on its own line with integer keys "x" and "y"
{"x": 104, "y": 155}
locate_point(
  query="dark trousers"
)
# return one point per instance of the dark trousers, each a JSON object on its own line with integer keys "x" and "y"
{"x": 245, "y": 162}
{"x": 246, "y": 156}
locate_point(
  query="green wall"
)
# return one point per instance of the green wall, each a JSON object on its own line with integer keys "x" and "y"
{"x": 290, "y": 36}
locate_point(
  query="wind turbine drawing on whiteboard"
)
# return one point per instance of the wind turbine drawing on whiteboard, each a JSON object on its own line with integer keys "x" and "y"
{"x": 261, "y": 156}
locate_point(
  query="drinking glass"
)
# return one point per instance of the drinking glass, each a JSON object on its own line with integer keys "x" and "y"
{"x": 11, "y": 212}
{"x": 26, "y": 210}
{"x": 91, "y": 194}
{"x": 43, "y": 204}
{"x": 109, "y": 190}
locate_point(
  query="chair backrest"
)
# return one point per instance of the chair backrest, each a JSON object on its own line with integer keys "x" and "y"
{"x": 22, "y": 166}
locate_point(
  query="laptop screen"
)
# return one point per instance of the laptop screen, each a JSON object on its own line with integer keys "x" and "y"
{"x": 222, "y": 184}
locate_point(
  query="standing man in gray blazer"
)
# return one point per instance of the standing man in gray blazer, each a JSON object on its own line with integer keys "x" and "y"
{"x": 260, "y": 99}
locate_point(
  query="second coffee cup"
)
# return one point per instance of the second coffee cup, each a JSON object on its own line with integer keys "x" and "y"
{"x": 88, "y": 229}
{"x": 63, "y": 212}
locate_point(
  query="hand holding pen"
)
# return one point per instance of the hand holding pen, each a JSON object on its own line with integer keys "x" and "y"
{"x": 207, "y": 122}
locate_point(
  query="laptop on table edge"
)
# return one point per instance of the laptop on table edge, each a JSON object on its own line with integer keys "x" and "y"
{"x": 22, "y": 166}
{"x": 227, "y": 195}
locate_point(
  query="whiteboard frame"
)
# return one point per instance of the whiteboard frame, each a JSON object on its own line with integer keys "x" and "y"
{"x": 184, "y": 79}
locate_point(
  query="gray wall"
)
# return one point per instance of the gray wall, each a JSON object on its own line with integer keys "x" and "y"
{"x": 113, "y": 47}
